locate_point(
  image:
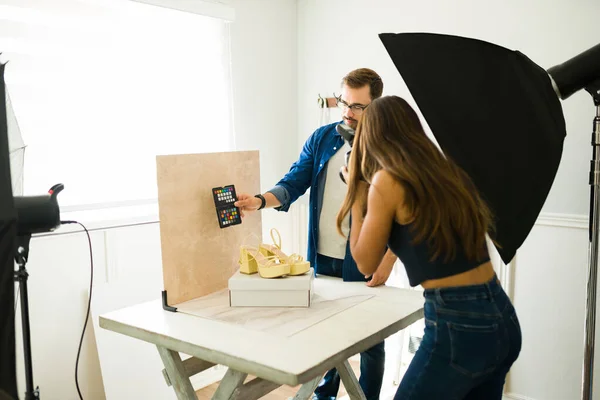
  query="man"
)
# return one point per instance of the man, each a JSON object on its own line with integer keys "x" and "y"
{"x": 318, "y": 167}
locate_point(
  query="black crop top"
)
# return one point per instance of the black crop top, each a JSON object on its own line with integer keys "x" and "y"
{"x": 416, "y": 258}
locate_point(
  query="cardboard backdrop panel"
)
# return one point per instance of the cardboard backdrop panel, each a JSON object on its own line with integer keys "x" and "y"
{"x": 199, "y": 257}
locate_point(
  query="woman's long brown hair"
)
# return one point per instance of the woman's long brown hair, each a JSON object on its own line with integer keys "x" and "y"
{"x": 445, "y": 207}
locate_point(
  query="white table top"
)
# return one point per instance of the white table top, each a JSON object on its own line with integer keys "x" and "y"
{"x": 288, "y": 360}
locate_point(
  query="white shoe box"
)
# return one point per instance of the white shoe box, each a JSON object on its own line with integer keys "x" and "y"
{"x": 255, "y": 291}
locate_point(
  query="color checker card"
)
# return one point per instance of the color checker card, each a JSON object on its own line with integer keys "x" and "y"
{"x": 227, "y": 213}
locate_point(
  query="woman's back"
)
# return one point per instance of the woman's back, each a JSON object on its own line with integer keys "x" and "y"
{"x": 417, "y": 257}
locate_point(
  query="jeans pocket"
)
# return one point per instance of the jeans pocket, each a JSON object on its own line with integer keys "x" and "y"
{"x": 474, "y": 348}
{"x": 515, "y": 320}
{"x": 515, "y": 336}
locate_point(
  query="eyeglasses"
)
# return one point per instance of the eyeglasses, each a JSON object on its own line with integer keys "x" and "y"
{"x": 357, "y": 109}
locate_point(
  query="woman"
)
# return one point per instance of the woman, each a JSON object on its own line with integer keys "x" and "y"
{"x": 403, "y": 193}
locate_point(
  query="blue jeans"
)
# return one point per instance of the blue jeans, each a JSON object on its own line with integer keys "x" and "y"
{"x": 372, "y": 361}
{"x": 472, "y": 338}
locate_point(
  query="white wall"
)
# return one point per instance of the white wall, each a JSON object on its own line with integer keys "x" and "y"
{"x": 264, "y": 68}
{"x": 550, "y": 281}
{"x": 337, "y": 36}
{"x": 263, "y": 54}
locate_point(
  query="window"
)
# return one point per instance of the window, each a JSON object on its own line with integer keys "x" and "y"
{"x": 99, "y": 89}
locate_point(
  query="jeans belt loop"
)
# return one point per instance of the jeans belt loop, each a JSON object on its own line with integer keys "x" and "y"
{"x": 489, "y": 292}
{"x": 438, "y": 297}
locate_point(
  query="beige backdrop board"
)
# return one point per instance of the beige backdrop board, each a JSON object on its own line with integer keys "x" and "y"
{"x": 199, "y": 257}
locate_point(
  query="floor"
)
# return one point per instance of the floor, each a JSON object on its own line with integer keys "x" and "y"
{"x": 286, "y": 392}
{"x": 283, "y": 392}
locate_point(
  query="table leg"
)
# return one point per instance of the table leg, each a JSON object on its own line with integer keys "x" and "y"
{"x": 177, "y": 375}
{"x": 350, "y": 382}
{"x": 230, "y": 382}
{"x": 306, "y": 390}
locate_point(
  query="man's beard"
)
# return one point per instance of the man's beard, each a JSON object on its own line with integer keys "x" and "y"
{"x": 351, "y": 123}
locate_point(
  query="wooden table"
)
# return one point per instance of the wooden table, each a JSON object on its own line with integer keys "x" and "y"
{"x": 274, "y": 359}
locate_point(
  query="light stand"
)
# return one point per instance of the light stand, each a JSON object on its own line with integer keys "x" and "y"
{"x": 35, "y": 214}
{"x": 21, "y": 275}
{"x": 29, "y": 215}
{"x": 583, "y": 72}
{"x": 590, "y": 320}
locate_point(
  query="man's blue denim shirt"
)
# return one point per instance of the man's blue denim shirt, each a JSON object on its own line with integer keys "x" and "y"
{"x": 310, "y": 171}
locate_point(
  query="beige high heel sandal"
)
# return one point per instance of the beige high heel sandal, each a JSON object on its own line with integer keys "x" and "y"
{"x": 298, "y": 266}
{"x": 253, "y": 261}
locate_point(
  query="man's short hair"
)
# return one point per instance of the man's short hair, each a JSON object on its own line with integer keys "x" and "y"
{"x": 362, "y": 77}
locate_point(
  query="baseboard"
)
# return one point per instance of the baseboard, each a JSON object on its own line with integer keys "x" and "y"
{"x": 563, "y": 220}
{"x": 514, "y": 396}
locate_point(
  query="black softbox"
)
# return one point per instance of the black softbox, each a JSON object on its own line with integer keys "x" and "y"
{"x": 495, "y": 113}
{"x": 8, "y": 229}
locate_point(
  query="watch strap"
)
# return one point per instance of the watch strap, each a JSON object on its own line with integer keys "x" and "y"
{"x": 263, "y": 201}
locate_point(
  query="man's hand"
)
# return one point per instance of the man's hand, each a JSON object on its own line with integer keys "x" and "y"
{"x": 247, "y": 202}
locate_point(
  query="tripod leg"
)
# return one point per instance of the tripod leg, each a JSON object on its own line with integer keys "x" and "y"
{"x": 21, "y": 276}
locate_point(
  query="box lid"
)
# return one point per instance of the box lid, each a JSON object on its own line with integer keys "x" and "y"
{"x": 240, "y": 281}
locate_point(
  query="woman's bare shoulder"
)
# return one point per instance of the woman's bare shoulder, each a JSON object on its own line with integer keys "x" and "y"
{"x": 384, "y": 180}
{"x": 394, "y": 192}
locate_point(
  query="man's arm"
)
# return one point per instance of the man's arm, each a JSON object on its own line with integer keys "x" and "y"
{"x": 247, "y": 202}
{"x": 293, "y": 185}
{"x": 271, "y": 200}
{"x": 299, "y": 178}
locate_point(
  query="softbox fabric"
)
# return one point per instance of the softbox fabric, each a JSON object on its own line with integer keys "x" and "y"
{"x": 494, "y": 112}
{"x": 16, "y": 148}
{"x": 8, "y": 228}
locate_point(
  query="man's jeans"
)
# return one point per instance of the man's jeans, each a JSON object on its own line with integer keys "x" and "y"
{"x": 372, "y": 361}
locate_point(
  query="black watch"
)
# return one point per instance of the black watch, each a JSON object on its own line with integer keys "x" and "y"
{"x": 263, "y": 201}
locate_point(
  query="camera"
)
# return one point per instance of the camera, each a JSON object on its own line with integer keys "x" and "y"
{"x": 347, "y": 133}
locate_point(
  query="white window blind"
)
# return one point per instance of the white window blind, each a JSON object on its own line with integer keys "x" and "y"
{"x": 100, "y": 88}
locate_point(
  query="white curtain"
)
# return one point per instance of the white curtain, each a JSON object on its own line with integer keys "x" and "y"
{"x": 100, "y": 88}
